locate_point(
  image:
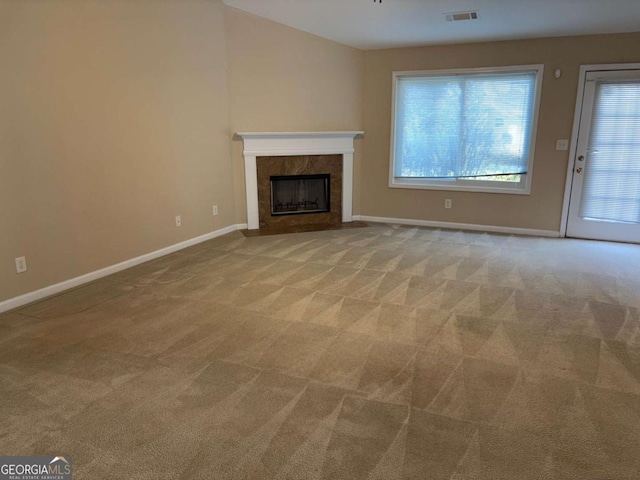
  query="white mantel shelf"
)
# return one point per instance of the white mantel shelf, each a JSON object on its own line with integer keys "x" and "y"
{"x": 274, "y": 144}
{"x": 339, "y": 133}
{"x": 263, "y": 144}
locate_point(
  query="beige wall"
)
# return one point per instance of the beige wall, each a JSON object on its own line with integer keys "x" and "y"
{"x": 113, "y": 119}
{"x": 540, "y": 210}
{"x": 282, "y": 79}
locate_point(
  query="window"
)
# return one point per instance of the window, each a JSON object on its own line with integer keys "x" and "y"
{"x": 611, "y": 181}
{"x": 465, "y": 129}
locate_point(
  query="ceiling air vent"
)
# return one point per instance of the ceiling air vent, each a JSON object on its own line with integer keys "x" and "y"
{"x": 458, "y": 16}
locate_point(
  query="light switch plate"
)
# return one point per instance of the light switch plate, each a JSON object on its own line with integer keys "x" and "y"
{"x": 562, "y": 144}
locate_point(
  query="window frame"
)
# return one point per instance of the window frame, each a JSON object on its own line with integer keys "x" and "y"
{"x": 521, "y": 188}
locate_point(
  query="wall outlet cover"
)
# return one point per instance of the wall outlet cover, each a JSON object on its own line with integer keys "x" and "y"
{"x": 562, "y": 144}
{"x": 21, "y": 264}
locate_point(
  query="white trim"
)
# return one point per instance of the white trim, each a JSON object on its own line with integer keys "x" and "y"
{"x": 348, "y": 134}
{"x": 521, "y": 188}
{"x": 279, "y": 144}
{"x": 30, "y": 297}
{"x": 572, "y": 151}
{"x": 36, "y": 295}
{"x": 466, "y": 187}
{"x": 584, "y": 69}
{"x": 291, "y": 152}
{"x": 461, "y": 226}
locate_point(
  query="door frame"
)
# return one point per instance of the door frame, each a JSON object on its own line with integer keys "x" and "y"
{"x": 571, "y": 164}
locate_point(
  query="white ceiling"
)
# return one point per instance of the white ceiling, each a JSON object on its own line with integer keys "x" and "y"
{"x": 400, "y": 23}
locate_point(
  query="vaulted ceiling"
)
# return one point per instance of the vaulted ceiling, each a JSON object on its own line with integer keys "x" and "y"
{"x": 369, "y": 24}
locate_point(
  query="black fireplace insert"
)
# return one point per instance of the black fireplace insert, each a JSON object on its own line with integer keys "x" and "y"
{"x": 295, "y": 194}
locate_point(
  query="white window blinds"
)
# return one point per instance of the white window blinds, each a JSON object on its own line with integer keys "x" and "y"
{"x": 463, "y": 126}
{"x": 612, "y": 170}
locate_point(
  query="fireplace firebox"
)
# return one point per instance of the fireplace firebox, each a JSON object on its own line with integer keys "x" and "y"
{"x": 295, "y": 194}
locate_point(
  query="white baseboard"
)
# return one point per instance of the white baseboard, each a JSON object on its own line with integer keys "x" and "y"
{"x": 36, "y": 295}
{"x": 103, "y": 272}
{"x": 460, "y": 226}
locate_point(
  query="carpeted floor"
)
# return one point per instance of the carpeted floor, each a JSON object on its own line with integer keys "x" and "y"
{"x": 376, "y": 353}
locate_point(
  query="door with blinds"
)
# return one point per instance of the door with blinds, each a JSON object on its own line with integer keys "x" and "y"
{"x": 605, "y": 191}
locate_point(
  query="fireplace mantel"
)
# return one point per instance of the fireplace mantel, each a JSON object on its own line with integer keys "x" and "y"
{"x": 274, "y": 144}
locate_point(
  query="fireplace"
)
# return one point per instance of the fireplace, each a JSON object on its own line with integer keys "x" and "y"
{"x": 298, "y": 150}
{"x": 296, "y": 194}
{"x": 299, "y": 190}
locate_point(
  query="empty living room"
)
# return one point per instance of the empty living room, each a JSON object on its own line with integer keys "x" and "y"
{"x": 320, "y": 239}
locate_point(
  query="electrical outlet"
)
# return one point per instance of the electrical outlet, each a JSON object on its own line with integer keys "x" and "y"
{"x": 178, "y": 221}
{"x": 447, "y": 203}
{"x": 21, "y": 264}
{"x": 215, "y": 210}
{"x": 562, "y": 144}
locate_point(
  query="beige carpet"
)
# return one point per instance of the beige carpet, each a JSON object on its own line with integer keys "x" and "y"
{"x": 377, "y": 353}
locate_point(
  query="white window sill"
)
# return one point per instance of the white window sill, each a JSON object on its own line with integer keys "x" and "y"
{"x": 462, "y": 186}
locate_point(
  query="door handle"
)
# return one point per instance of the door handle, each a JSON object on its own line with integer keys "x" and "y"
{"x": 579, "y": 170}
{"x": 581, "y": 158}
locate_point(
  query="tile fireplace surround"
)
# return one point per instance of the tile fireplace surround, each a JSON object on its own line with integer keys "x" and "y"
{"x": 287, "y": 144}
{"x": 270, "y": 167}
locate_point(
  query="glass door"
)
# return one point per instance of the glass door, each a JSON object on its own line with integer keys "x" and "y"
{"x": 605, "y": 190}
